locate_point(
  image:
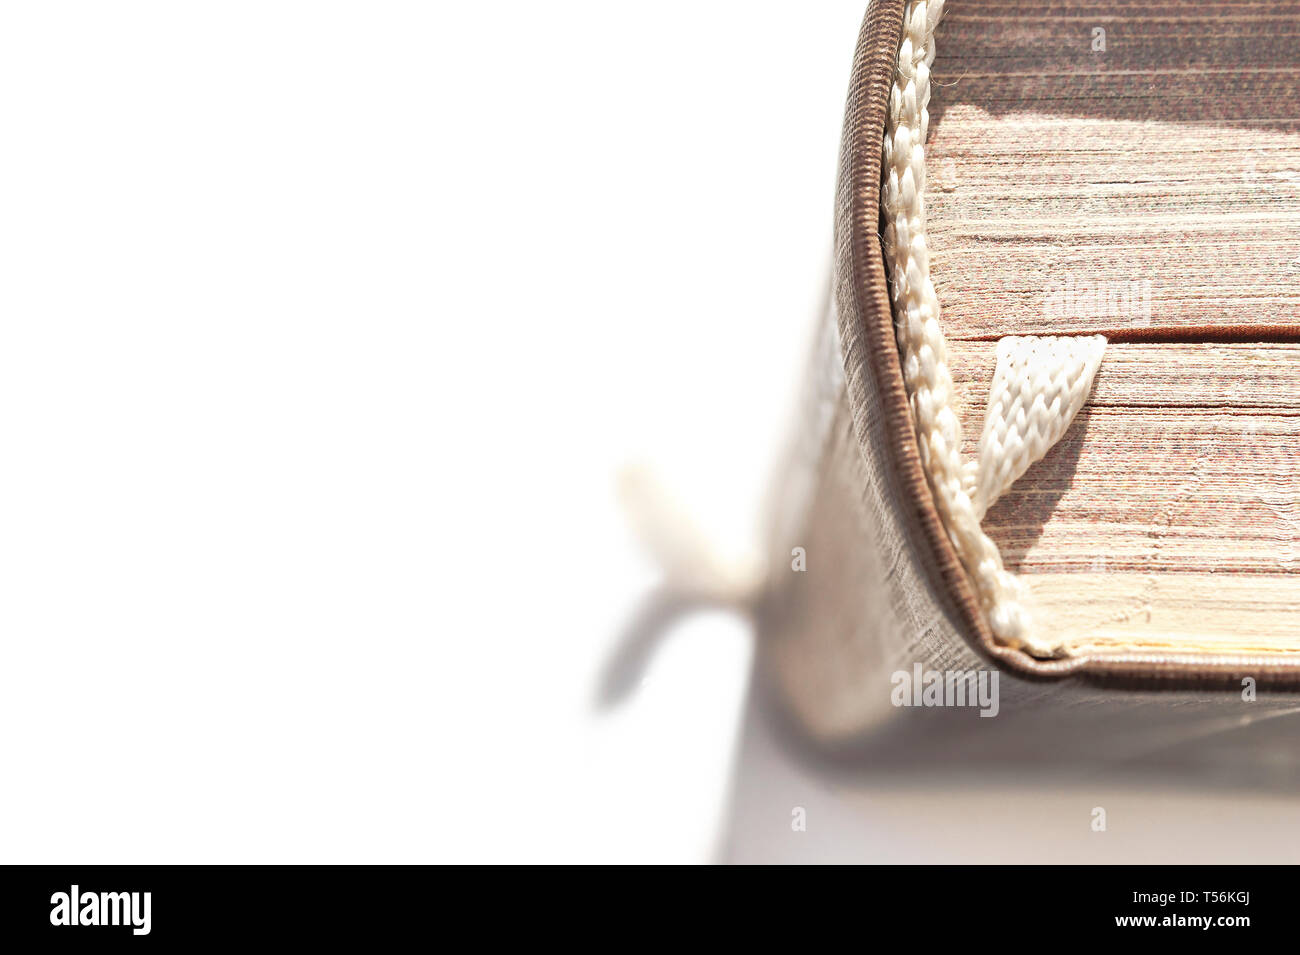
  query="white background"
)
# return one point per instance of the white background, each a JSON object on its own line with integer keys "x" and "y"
{"x": 326, "y": 328}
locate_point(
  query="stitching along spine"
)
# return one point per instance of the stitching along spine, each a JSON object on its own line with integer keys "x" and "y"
{"x": 1039, "y": 384}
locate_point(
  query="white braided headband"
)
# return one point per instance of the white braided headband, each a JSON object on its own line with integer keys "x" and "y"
{"x": 1039, "y": 384}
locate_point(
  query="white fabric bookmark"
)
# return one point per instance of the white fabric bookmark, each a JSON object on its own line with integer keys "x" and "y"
{"x": 1039, "y": 385}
